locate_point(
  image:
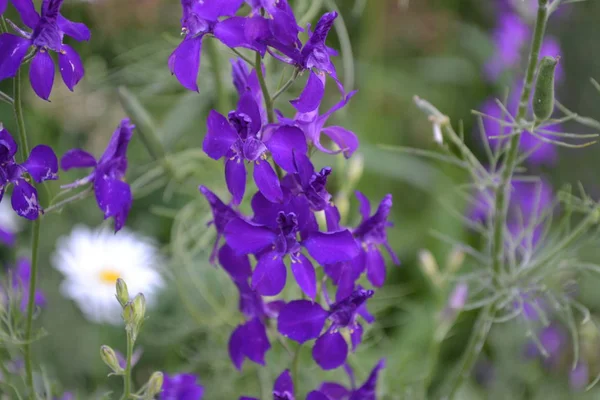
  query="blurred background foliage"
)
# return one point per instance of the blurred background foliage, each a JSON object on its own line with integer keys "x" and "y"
{"x": 396, "y": 49}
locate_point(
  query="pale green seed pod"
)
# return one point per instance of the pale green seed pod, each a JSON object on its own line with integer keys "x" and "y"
{"x": 110, "y": 358}
{"x": 155, "y": 384}
{"x": 139, "y": 308}
{"x": 122, "y": 292}
{"x": 543, "y": 96}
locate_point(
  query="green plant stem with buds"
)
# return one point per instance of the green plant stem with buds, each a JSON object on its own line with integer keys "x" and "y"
{"x": 503, "y": 190}
{"x": 127, "y": 386}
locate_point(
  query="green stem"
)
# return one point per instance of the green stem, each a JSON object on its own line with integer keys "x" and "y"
{"x": 79, "y": 196}
{"x": 18, "y": 106}
{"x": 295, "y": 362}
{"x": 215, "y": 59}
{"x": 127, "y": 375}
{"x": 503, "y": 190}
{"x": 35, "y": 241}
{"x": 286, "y": 85}
{"x": 6, "y": 98}
{"x": 264, "y": 88}
{"x": 476, "y": 342}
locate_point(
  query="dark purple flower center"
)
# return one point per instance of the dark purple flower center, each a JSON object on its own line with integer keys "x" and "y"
{"x": 241, "y": 122}
{"x": 287, "y": 242}
{"x": 317, "y": 193}
{"x": 343, "y": 312}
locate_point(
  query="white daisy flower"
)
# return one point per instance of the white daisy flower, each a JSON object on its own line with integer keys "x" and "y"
{"x": 93, "y": 260}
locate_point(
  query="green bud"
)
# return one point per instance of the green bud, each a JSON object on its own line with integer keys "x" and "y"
{"x": 543, "y": 97}
{"x": 139, "y": 308}
{"x": 127, "y": 314}
{"x": 110, "y": 358}
{"x": 122, "y": 292}
{"x": 154, "y": 385}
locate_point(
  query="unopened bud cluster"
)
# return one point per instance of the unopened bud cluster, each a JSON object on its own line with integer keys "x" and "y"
{"x": 133, "y": 311}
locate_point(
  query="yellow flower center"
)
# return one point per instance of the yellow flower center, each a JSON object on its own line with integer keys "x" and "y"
{"x": 109, "y": 276}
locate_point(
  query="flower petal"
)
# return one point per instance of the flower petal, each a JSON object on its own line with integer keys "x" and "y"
{"x": 114, "y": 198}
{"x": 331, "y": 247}
{"x": 356, "y": 336}
{"x": 8, "y": 146}
{"x": 368, "y": 389}
{"x": 26, "y": 10}
{"x": 269, "y": 275}
{"x": 24, "y": 200}
{"x": 334, "y": 391}
{"x": 315, "y": 395}
{"x": 301, "y": 320}
{"x": 284, "y": 143}
{"x": 42, "y": 164}
{"x": 212, "y": 10}
{"x": 220, "y": 135}
{"x": 71, "y": 67}
{"x": 330, "y": 350}
{"x": 3, "y": 4}
{"x": 246, "y": 238}
{"x": 243, "y": 32}
{"x": 235, "y": 177}
{"x": 76, "y": 30}
{"x": 119, "y": 141}
{"x": 247, "y": 105}
{"x": 184, "y": 62}
{"x": 237, "y": 266}
{"x": 77, "y": 158}
{"x": 364, "y": 205}
{"x": 312, "y": 95}
{"x": 41, "y": 74}
{"x": 375, "y": 266}
{"x": 12, "y": 50}
{"x": 284, "y": 385}
{"x": 304, "y": 272}
{"x": 267, "y": 181}
{"x": 346, "y": 140}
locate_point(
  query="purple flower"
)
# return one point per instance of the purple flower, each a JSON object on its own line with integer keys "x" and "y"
{"x": 3, "y": 4}
{"x": 303, "y": 320}
{"x": 181, "y": 387}
{"x": 240, "y": 139}
{"x": 201, "y": 18}
{"x": 113, "y": 195}
{"x": 553, "y": 339}
{"x": 20, "y": 282}
{"x": 309, "y": 183}
{"x": 47, "y": 34}
{"x": 222, "y": 214}
{"x": 509, "y": 36}
{"x": 335, "y": 391}
{"x": 280, "y": 230}
{"x": 313, "y": 124}
{"x": 41, "y": 165}
{"x": 246, "y": 80}
{"x": 579, "y": 376}
{"x": 283, "y": 389}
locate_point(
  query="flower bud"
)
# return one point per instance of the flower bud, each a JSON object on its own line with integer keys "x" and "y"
{"x": 109, "y": 357}
{"x": 356, "y": 166}
{"x": 430, "y": 267}
{"x": 154, "y": 385}
{"x": 127, "y": 314}
{"x": 122, "y": 292}
{"x": 543, "y": 97}
{"x": 139, "y": 308}
{"x": 455, "y": 260}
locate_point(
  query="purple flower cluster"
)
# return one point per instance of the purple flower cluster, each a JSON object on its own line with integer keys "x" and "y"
{"x": 47, "y": 31}
{"x": 283, "y": 230}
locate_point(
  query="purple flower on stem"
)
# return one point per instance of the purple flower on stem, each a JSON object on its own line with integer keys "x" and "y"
{"x": 283, "y": 389}
{"x": 309, "y": 183}
{"x": 181, "y": 387}
{"x": 303, "y": 320}
{"x": 246, "y": 80}
{"x": 222, "y": 214}
{"x": 113, "y": 195}
{"x": 281, "y": 230}
{"x": 47, "y": 34}
{"x": 20, "y": 282}
{"x": 335, "y": 391}
{"x": 41, "y": 165}
{"x": 313, "y": 124}
{"x": 240, "y": 139}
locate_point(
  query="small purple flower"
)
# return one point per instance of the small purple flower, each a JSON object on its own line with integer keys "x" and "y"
{"x": 313, "y": 124}
{"x": 303, "y": 320}
{"x": 509, "y": 36}
{"x": 335, "y": 391}
{"x": 240, "y": 139}
{"x": 41, "y": 165}
{"x": 579, "y": 376}
{"x": 47, "y": 34}
{"x": 181, "y": 387}
{"x": 20, "y": 282}
{"x": 274, "y": 234}
{"x": 553, "y": 339}
{"x": 113, "y": 195}
{"x": 283, "y": 389}
{"x": 309, "y": 183}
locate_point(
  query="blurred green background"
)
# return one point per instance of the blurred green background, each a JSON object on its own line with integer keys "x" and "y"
{"x": 396, "y": 49}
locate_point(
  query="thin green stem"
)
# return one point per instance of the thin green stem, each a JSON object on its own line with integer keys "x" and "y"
{"x": 215, "y": 59}
{"x": 35, "y": 241}
{"x": 265, "y": 89}
{"x": 476, "y": 341}
{"x": 3, "y": 27}
{"x": 6, "y": 98}
{"x": 312, "y": 12}
{"x": 286, "y": 85}
{"x": 127, "y": 375}
{"x": 79, "y": 196}
{"x": 503, "y": 190}
{"x": 18, "y": 107}
{"x": 240, "y": 55}
{"x": 295, "y": 362}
